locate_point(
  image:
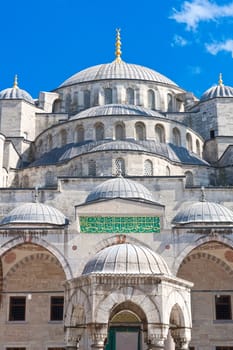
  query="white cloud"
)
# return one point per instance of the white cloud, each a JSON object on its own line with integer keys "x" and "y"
{"x": 217, "y": 47}
{"x": 195, "y": 11}
{"x": 178, "y": 40}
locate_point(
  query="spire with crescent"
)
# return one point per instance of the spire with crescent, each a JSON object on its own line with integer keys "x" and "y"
{"x": 15, "y": 85}
{"x": 220, "y": 81}
{"x": 118, "y": 46}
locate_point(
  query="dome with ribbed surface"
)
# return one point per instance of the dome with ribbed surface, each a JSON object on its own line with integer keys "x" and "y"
{"x": 204, "y": 212}
{"x": 15, "y": 93}
{"x": 217, "y": 91}
{"x": 120, "y": 188}
{"x": 117, "y": 70}
{"x": 35, "y": 213}
{"x": 126, "y": 258}
{"x": 116, "y": 109}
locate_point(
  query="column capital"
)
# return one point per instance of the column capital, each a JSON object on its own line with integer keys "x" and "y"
{"x": 181, "y": 343}
{"x": 155, "y": 342}
{"x": 99, "y": 333}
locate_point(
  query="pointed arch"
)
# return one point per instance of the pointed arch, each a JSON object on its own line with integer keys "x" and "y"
{"x": 148, "y": 167}
{"x": 130, "y": 96}
{"x": 140, "y": 131}
{"x": 176, "y": 138}
{"x": 159, "y": 133}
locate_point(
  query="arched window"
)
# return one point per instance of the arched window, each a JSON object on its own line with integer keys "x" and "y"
{"x": 107, "y": 96}
{"x": 169, "y": 102}
{"x": 87, "y": 98}
{"x": 189, "y": 142}
{"x": 151, "y": 99}
{"x": 80, "y": 134}
{"x": 120, "y": 132}
{"x": 176, "y": 137}
{"x": 130, "y": 96}
{"x": 56, "y": 106}
{"x": 63, "y": 137}
{"x": 120, "y": 166}
{"x": 168, "y": 171}
{"x": 189, "y": 179}
{"x": 91, "y": 168}
{"x": 99, "y": 132}
{"x": 160, "y": 133}
{"x": 198, "y": 148}
{"x": 148, "y": 168}
{"x": 140, "y": 131}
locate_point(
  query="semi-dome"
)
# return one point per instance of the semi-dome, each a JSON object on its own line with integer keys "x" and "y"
{"x": 16, "y": 93}
{"x": 219, "y": 90}
{"x": 126, "y": 258}
{"x": 120, "y": 187}
{"x": 204, "y": 212}
{"x": 35, "y": 213}
{"x": 117, "y": 109}
{"x": 117, "y": 70}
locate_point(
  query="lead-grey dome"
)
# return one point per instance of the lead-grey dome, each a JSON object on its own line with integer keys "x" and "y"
{"x": 35, "y": 213}
{"x": 204, "y": 212}
{"x": 217, "y": 91}
{"x": 15, "y": 93}
{"x": 126, "y": 258}
{"x": 117, "y": 109}
{"x": 117, "y": 70}
{"x": 120, "y": 188}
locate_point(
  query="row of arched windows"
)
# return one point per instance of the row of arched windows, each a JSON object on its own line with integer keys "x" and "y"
{"x": 120, "y": 169}
{"x": 120, "y": 134}
{"x": 131, "y": 98}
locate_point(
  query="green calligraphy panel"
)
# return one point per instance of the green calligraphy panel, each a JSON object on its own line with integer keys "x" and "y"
{"x": 116, "y": 224}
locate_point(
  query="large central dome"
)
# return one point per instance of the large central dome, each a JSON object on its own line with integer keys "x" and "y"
{"x": 117, "y": 70}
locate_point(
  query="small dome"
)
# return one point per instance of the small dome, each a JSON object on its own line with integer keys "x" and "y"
{"x": 15, "y": 93}
{"x": 116, "y": 109}
{"x": 120, "y": 188}
{"x": 117, "y": 70}
{"x": 219, "y": 90}
{"x": 126, "y": 258}
{"x": 204, "y": 212}
{"x": 35, "y": 213}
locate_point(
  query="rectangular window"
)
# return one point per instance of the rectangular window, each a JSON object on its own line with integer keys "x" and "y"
{"x": 223, "y": 307}
{"x": 224, "y": 347}
{"x": 17, "y": 309}
{"x": 56, "y": 308}
{"x": 15, "y": 348}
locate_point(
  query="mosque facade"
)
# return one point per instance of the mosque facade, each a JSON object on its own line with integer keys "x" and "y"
{"x": 116, "y": 209}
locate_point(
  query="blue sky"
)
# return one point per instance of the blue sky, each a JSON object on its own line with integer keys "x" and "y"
{"x": 47, "y": 41}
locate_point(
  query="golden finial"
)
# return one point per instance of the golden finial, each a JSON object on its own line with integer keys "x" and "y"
{"x": 220, "y": 81}
{"x": 15, "y": 81}
{"x": 118, "y": 46}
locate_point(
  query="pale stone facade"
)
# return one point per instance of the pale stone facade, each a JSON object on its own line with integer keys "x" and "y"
{"x": 115, "y": 158}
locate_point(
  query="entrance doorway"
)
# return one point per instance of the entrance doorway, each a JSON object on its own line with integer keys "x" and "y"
{"x": 123, "y": 337}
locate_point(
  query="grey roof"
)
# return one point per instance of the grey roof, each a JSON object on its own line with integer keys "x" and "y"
{"x": 35, "y": 213}
{"x": 126, "y": 258}
{"x": 120, "y": 188}
{"x": 16, "y": 93}
{"x": 117, "y": 70}
{"x": 217, "y": 91}
{"x": 71, "y": 150}
{"x": 204, "y": 212}
{"x": 116, "y": 109}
